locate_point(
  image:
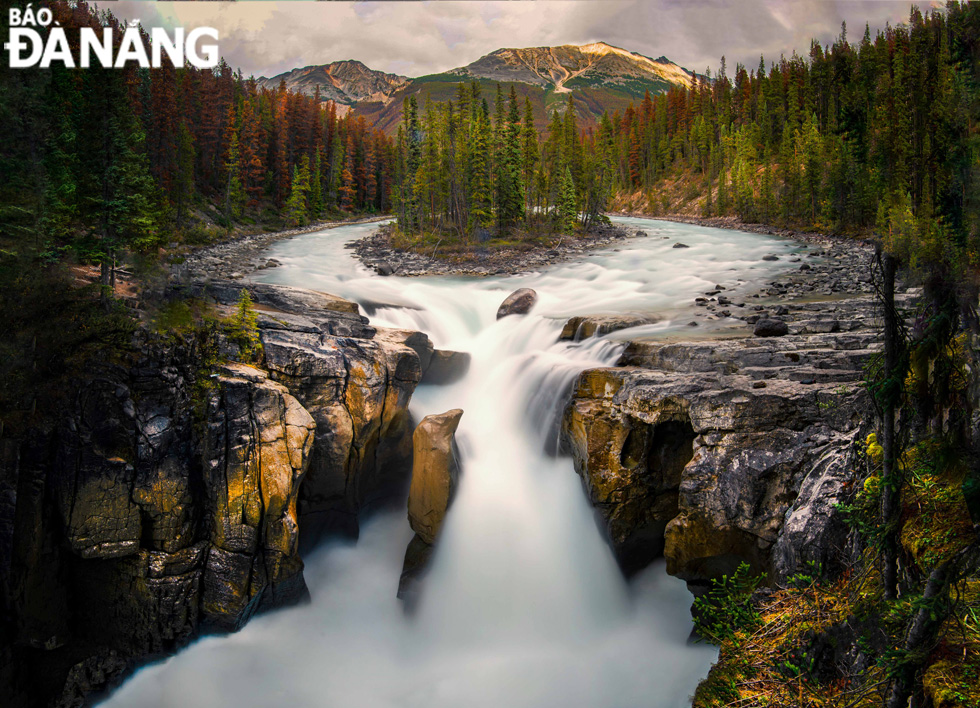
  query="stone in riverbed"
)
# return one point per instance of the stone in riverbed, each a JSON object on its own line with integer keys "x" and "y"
{"x": 518, "y": 302}
{"x": 435, "y": 473}
{"x": 681, "y": 245}
{"x": 446, "y": 367}
{"x": 770, "y": 327}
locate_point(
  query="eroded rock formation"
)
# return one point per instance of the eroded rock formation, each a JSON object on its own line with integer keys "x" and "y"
{"x": 577, "y": 328}
{"x": 435, "y": 474}
{"x": 717, "y": 452}
{"x": 168, "y": 496}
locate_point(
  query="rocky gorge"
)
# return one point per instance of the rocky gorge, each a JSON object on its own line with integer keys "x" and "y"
{"x": 170, "y": 497}
{"x": 176, "y": 495}
{"x": 737, "y": 446}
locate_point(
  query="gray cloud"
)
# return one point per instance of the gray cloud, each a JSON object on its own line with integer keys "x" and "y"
{"x": 416, "y": 38}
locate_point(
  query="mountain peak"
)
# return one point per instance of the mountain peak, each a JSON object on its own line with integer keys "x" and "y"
{"x": 344, "y": 82}
{"x": 566, "y": 67}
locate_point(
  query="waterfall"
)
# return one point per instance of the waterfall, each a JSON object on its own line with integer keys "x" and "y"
{"x": 524, "y": 605}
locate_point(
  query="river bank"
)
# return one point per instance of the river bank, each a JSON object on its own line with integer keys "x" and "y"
{"x": 235, "y": 259}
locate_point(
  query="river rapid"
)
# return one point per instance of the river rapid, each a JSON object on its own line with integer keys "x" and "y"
{"x": 524, "y": 605}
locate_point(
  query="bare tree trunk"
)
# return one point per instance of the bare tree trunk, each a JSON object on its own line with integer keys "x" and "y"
{"x": 891, "y": 497}
{"x": 928, "y": 620}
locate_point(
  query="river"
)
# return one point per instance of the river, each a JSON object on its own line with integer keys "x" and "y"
{"x": 524, "y": 605}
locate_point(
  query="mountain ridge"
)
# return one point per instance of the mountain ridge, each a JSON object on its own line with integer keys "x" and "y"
{"x": 601, "y": 76}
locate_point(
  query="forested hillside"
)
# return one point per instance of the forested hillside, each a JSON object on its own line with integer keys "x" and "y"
{"x": 97, "y": 158}
{"x": 856, "y": 131}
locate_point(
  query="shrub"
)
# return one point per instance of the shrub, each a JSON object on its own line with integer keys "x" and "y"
{"x": 242, "y": 328}
{"x": 727, "y": 609}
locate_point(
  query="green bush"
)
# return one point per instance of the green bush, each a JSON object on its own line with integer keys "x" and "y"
{"x": 727, "y": 609}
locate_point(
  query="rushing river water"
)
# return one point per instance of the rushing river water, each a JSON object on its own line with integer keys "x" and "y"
{"x": 524, "y": 605}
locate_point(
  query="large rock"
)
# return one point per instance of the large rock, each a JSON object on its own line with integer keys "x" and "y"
{"x": 771, "y": 327}
{"x": 518, "y": 302}
{"x": 718, "y": 452}
{"x": 435, "y": 474}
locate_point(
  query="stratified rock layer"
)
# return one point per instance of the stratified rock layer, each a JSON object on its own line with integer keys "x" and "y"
{"x": 717, "y": 452}
{"x": 256, "y": 449}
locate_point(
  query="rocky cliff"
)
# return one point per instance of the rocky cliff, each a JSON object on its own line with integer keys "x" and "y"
{"x": 171, "y": 495}
{"x": 717, "y": 451}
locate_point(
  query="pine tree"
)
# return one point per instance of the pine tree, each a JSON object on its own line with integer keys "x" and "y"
{"x": 316, "y": 187}
{"x": 530, "y": 155}
{"x": 567, "y": 211}
{"x": 510, "y": 189}
{"x": 481, "y": 200}
{"x": 296, "y": 209}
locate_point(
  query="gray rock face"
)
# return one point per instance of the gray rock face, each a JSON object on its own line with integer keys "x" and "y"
{"x": 256, "y": 450}
{"x": 717, "y": 452}
{"x": 359, "y": 390}
{"x": 155, "y": 521}
{"x": 518, "y": 302}
{"x": 446, "y": 367}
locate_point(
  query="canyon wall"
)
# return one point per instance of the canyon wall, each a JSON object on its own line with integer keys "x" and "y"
{"x": 170, "y": 496}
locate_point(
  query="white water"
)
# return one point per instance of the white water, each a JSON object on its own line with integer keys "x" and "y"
{"x": 524, "y": 605}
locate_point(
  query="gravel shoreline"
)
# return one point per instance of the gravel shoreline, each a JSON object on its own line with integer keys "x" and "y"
{"x": 235, "y": 259}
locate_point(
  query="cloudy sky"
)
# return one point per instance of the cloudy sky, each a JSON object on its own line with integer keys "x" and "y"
{"x": 416, "y": 38}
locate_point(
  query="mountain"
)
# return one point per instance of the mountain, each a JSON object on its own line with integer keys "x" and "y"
{"x": 343, "y": 82}
{"x": 565, "y": 68}
{"x": 600, "y": 76}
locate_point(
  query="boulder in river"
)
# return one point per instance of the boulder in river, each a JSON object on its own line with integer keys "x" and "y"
{"x": 518, "y": 302}
{"x": 770, "y": 327}
{"x": 446, "y": 367}
{"x": 681, "y": 245}
{"x": 435, "y": 473}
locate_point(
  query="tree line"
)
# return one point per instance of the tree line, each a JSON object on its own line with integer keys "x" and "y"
{"x": 853, "y": 134}
{"x": 96, "y": 159}
{"x": 473, "y": 172}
